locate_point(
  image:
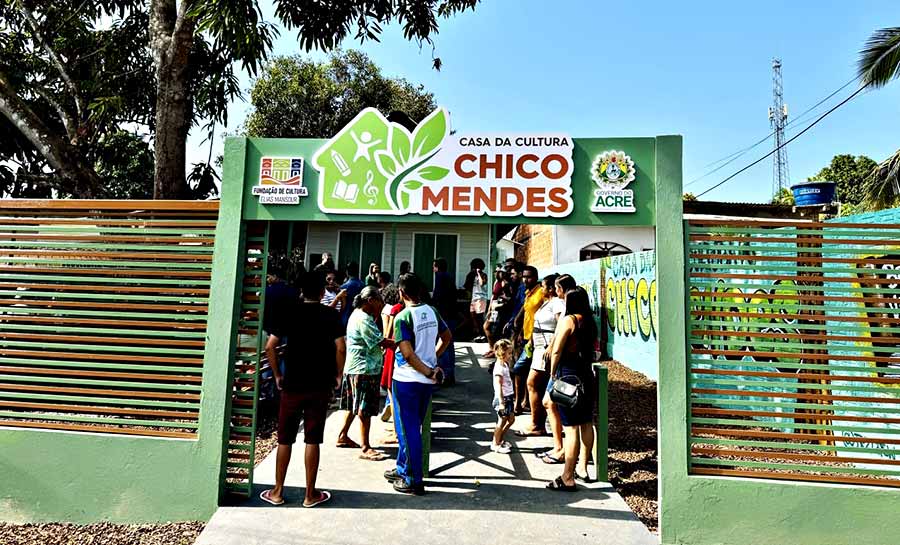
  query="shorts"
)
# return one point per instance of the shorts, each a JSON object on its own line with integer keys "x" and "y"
{"x": 312, "y": 408}
{"x": 361, "y": 394}
{"x": 522, "y": 365}
{"x": 537, "y": 360}
{"x": 478, "y": 306}
{"x": 509, "y": 401}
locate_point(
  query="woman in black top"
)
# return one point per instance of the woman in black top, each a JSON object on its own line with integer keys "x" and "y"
{"x": 570, "y": 361}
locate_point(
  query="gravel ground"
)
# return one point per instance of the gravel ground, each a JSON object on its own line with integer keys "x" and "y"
{"x": 633, "y": 456}
{"x": 175, "y": 533}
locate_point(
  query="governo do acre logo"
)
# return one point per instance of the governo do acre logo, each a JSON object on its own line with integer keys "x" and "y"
{"x": 612, "y": 171}
{"x": 374, "y": 166}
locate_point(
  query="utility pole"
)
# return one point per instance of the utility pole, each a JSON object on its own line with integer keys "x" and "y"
{"x": 777, "y": 117}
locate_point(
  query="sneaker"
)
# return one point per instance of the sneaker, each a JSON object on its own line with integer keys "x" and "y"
{"x": 386, "y": 413}
{"x": 500, "y": 449}
{"x": 412, "y": 489}
{"x": 392, "y": 476}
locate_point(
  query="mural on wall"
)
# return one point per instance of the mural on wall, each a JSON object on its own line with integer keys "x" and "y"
{"x": 623, "y": 295}
{"x": 773, "y": 310}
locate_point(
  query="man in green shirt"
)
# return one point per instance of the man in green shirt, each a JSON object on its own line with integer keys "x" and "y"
{"x": 360, "y": 392}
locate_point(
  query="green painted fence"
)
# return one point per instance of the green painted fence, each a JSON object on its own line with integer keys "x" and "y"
{"x": 788, "y": 379}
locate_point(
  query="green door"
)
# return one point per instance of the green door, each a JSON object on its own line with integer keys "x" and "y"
{"x": 427, "y": 248}
{"x": 445, "y": 246}
{"x": 363, "y": 248}
{"x": 349, "y": 247}
{"x": 423, "y": 256}
{"x": 372, "y": 245}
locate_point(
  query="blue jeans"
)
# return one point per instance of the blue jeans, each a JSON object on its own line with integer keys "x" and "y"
{"x": 447, "y": 361}
{"x": 411, "y": 401}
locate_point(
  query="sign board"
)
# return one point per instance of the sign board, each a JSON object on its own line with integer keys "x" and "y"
{"x": 280, "y": 180}
{"x": 374, "y": 166}
{"x": 376, "y": 170}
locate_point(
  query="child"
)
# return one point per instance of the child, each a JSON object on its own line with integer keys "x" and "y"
{"x": 503, "y": 395}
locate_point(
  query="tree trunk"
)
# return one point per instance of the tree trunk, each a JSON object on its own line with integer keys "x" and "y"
{"x": 172, "y": 110}
{"x": 75, "y": 175}
{"x": 171, "y": 38}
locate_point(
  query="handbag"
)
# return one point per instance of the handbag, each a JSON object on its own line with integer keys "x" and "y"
{"x": 566, "y": 393}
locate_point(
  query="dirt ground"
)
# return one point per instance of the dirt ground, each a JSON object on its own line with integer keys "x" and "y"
{"x": 633, "y": 456}
{"x": 177, "y": 533}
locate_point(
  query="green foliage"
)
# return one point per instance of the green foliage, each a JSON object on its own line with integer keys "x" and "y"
{"x": 75, "y": 73}
{"x": 849, "y": 174}
{"x": 689, "y": 197}
{"x": 879, "y": 61}
{"x": 784, "y": 196}
{"x": 125, "y": 166}
{"x": 298, "y": 98}
{"x": 75, "y": 82}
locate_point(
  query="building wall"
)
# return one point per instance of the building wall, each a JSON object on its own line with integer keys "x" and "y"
{"x": 474, "y": 241}
{"x": 572, "y": 238}
{"x": 534, "y": 245}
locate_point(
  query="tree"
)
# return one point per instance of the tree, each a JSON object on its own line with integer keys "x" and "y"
{"x": 66, "y": 87}
{"x": 849, "y": 174}
{"x": 689, "y": 197}
{"x": 68, "y": 77}
{"x": 879, "y": 63}
{"x": 299, "y": 98}
{"x": 784, "y": 196}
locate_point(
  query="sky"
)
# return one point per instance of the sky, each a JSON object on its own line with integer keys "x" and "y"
{"x": 698, "y": 69}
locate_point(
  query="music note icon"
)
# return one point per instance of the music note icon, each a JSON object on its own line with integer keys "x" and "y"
{"x": 369, "y": 189}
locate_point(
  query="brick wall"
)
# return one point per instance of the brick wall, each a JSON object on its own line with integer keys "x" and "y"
{"x": 535, "y": 245}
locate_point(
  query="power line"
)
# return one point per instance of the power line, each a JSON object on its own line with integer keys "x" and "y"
{"x": 736, "y": 155}
{"x": 811, "y": 125}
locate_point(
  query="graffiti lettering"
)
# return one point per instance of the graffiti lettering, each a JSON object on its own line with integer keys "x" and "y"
{"x": 631, "y": 307}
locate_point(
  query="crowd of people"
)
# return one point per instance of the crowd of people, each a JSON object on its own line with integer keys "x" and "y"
{"x": 365, "y": 337}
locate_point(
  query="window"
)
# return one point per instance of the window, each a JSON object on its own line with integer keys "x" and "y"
{"x": 601, "y": 249}
{"x": 427, "y": 248}
{"x": 364, "y": 248}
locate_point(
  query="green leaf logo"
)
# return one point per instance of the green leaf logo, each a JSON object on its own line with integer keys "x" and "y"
{"x": 374, "y": 166}
{"x": 433, "y": 173}
{"x": 400, "y": 144}
{"x": 430, "y": 133}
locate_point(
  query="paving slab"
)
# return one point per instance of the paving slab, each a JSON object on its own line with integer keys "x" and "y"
{"x": 475, "y": 496}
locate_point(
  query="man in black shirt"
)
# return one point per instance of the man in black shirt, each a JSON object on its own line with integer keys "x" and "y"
{"x": 314, "y": 363}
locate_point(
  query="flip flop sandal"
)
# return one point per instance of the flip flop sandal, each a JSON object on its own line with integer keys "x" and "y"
{"x": 550, "y": 459}
{"x": 266, "y": 496}
{"x": 521, "y": 433}
{"x": 558, "y": 484}
{"x": 373, "y": 456}
{"x": 326, "y": 495}
{"x": 585, "y": 479}
{"x": 349, "y": 444}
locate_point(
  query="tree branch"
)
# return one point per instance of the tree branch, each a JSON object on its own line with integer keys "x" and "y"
{"x": 61, "y": 155}
{"x": 67, "y": 120}
{"x": 55, "y": 60}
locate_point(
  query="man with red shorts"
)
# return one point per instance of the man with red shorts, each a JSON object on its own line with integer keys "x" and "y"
{"x": 314, "y": 363}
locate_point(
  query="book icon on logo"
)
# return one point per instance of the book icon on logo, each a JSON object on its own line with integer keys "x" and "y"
{"x": 345, "y": 192}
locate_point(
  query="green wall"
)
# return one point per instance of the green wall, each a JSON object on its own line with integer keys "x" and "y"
{"x": 77, "y": 477}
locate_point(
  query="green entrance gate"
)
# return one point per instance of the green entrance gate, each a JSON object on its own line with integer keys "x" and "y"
{"x": 374, "y": 171}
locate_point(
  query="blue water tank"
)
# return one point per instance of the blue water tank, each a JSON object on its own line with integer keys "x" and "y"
{"x": 813, "y": 193}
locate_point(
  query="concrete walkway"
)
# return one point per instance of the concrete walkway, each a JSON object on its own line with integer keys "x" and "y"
{"x": 474, "y": 496}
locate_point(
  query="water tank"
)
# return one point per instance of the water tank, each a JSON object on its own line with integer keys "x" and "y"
{"x": 813, "y": 193}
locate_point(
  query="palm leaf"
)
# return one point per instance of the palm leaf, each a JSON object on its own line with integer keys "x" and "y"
{"x": 883, "y": 185}
{"x": 879, "y": 61}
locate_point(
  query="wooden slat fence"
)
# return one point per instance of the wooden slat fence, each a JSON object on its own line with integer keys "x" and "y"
{"x": 103, "y": 308}
{"x": 249, "y": 342}
{"x": 794, "y": 350}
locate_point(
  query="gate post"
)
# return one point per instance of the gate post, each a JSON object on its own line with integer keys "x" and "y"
{"x": 224, "y": 297}
{"x": 672, "y": 386}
